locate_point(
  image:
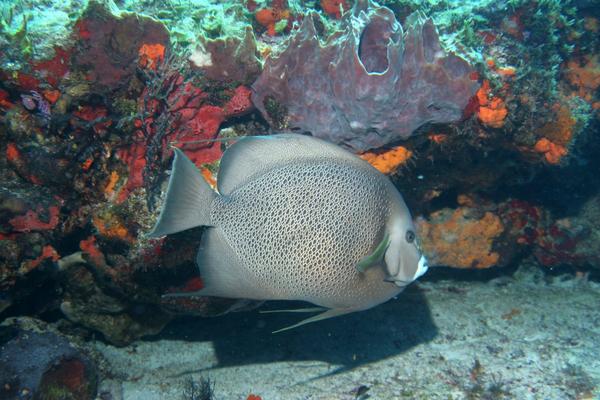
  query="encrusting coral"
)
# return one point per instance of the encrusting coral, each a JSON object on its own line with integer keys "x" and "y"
{"x": 463, "y": 237}
{"x": 388, "y": 161}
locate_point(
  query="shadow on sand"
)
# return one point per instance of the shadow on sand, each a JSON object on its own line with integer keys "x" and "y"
{"x": 347, "y": 342}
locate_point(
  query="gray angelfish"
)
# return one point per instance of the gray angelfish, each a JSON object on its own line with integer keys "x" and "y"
{"x": 295, "y": 218}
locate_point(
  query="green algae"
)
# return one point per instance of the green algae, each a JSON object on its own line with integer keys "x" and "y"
{"x": 56, "y": 392}
{"x": 277, "y": 112}
{"x": 31, "y": 31}
{"x": 188, "y": 19}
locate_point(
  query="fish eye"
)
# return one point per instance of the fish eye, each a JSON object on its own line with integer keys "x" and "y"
{"x": 410, "y": 236}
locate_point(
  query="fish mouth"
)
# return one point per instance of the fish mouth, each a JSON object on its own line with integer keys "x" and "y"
{"x": 422, "y": 267}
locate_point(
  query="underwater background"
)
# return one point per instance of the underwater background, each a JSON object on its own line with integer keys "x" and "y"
{"x": 484, "y": 114}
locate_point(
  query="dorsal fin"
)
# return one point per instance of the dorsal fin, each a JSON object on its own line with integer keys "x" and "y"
{"x": 254, "y": 155}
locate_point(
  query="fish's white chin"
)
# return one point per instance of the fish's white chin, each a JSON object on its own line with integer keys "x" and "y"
{"x": 422, "y": 267}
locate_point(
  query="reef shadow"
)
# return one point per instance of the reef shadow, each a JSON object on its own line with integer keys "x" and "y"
{"x": 345, "y": 342}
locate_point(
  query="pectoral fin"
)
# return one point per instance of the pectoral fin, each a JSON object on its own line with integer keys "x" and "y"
{"x": 376, "y": 256}
{"x": 334, "y": 312}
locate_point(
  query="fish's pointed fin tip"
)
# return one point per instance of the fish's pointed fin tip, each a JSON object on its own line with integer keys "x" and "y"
{"x": 330, "y": 313}
{"x": 177, "y": 295}
{"x": 188, "y": 200}
{"x": 298, "y": 310}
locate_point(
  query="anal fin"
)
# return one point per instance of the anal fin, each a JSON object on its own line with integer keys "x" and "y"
{"x": 297, "y": 310}
{"x": 333, "y": 312}
{"x": 175, "y": 295}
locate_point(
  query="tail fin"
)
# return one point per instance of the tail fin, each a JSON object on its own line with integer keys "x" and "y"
{"x": 188, "y": 201}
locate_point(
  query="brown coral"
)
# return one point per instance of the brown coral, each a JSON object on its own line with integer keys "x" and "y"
{"x": 556, "y": 136}
{"x": 560, "y": 130}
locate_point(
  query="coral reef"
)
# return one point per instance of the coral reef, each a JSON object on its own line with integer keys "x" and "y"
{"x": 497, "y": 156}
{"x": 230, "y": 59}
{"x": 480, "y": 234}
{"x": 109, "y": 46}
{"x": 275, "y": 19}
{"x": 572, "y": 240}
{"x": 335, "y": 8}
{"x": 359, "y": 87}
{"x": 389, "y": 160}
{"x": 85, "y": 145}
{"x": 491, "y": 111}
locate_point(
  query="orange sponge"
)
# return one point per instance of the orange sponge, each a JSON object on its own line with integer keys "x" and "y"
{"x": 492, "y": 111}
{"x": 388, "y": 161}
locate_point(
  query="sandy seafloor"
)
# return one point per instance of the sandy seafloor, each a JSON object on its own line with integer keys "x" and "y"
{"x": 523, "y": 336}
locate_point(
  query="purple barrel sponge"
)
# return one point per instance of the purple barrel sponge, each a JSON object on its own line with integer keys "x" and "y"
{"x": 369, "y": 85}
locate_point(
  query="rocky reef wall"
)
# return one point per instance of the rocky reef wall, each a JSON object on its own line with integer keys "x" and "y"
{"x": 486, "y": 119}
